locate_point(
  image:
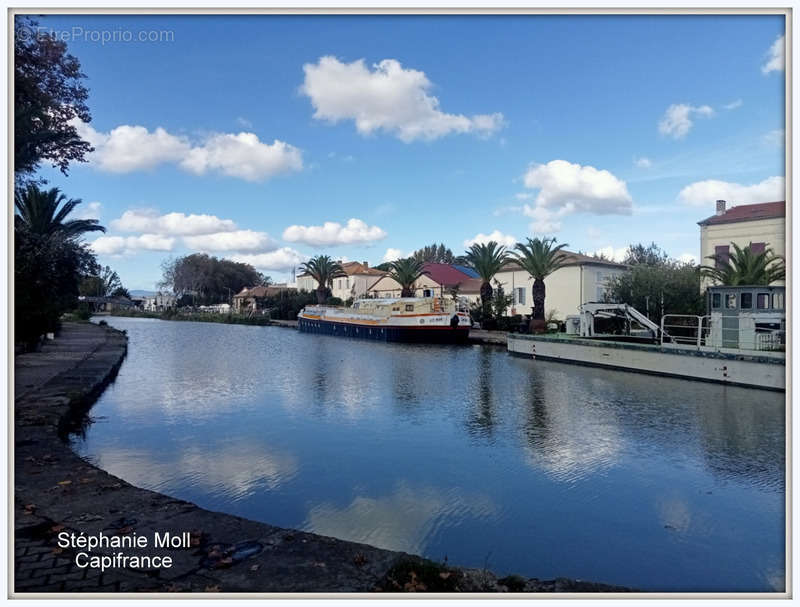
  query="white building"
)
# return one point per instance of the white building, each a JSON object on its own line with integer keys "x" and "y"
{"x": 760, "y": 226}
{"x": 358, "y": 280}
{"x": 159, "y": 302}
{"x": 582, "y": 280}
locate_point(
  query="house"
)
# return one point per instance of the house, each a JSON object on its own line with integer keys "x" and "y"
{"x": 441, "y": 279}
{"x": 582, "y": 280}
{"x": 248, "y": 297}
{"x": 159, "y": 302}
{"x": 358, "y": 279}
{"x": 761, "y": 226}
{"x": 107, "y": 304}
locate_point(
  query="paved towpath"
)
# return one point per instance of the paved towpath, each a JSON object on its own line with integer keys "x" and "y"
{"x": 56, "y": 492}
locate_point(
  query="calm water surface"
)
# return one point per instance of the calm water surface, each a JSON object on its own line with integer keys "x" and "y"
{"x": 523, "y": 466}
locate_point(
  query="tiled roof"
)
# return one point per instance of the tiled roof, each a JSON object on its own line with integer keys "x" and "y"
{"x": 748, "y": 212}
{"x": 262, "y": 291}
{"x": 444, "y": 274}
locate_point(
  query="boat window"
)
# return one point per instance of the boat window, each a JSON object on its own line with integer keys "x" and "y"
{"x": 716, "y": 300}
{"x": 747, "y": 301}
{"x": 777, "y": 301}
{"x": 730, "y": 301}
{"x": 409, "y": 307}
{"x": 396, "y": 309}
{"x": 762, "y": 301}
{"x": 355, "y": 305}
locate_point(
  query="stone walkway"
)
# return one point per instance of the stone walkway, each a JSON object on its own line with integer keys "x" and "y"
{"x": 56, "y": 492}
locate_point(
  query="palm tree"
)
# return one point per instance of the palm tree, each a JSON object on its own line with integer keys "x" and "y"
{"x": 745, "y": 267}
{"x": 38, "y": 212}
{"x": 407, "y": 272}
{"x": 540, "y": 258}
{"x": 487, "y": 260}
{"x": 323, "y": 269}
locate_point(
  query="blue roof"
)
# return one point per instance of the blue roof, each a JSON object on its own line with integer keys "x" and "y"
{"x": 468, "y": 271}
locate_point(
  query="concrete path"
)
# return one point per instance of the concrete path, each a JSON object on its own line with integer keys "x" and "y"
{"x": 57, "y": 493}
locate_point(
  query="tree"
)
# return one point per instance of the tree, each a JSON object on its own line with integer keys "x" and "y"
{"x": 407, "y": 272}
{"x": 101, "y": 284}
{"x": 487, "y": 260}
{"x": 434, "y": 254}
{"x": 49, "y": 96}
{"x": 540, "y": 257}
{"x": 38, "y": 212}
{"x": 500, "y": 301}
{"x": 323, "y": 269}
{"x": 207, "y": 279}
{"x": 745, "y": 267}
{"x": 121, "y": 292}
{"x": 656, "y": 285}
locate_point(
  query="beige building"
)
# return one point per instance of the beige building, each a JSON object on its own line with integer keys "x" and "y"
{"x": 759, "y": 226}
{"x": 358, "y": 280}
{"x": 441, "y": 280}
{"x": 582, "y": 280}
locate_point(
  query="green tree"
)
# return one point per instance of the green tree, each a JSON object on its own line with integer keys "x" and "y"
{"x": 203, "y": 279}
{"x": 487, "y": 260}
{"x": 407, "y": 272}
{"x": 656, "y": 284}
{"x": 38, "y": 212}
{"x": 323, "y": 269}
{"x": 101, "y": 284}
{"x": 49, "y": 96}
{"x": 434, "y": 254}
{"x": 500, "y": 301}
{"x": 540, "y": 257}
{"x": 746, "y": 267}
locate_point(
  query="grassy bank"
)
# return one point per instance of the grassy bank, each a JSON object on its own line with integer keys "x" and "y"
{"x": 231, "y": 319}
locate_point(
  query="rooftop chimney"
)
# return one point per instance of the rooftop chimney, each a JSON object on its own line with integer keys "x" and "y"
{"x": 720, "y": 207}
{"x": 366, "y": 264}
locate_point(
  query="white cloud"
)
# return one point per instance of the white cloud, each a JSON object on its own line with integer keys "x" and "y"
{"x": 118, "y": 245}
{"x": 244, "y": 122}
{"x": 89, "y": 210}
{"x": 687, "y": 258}
{"x": 733, "y": 105}
{"x": 643, "y": 162}
{"x": 244, "y": 156}
{"x": 175, "y": 224}
{"x": 775, "y": 57}
{"x": 392, "y": 255}
{"x": 704, "y": 193}
{"x": 774, "y": 138}
{"x": 496, "y": 236}
{"x": 677, "y": 120}
{"x": 239, "y": 240}
{"x": 334, "y": 233}
{"x": 127, "y": 148}
{"x": 612, "y": 253}
{"x": 386, "y": 98}
{"x": 281, "y": 260}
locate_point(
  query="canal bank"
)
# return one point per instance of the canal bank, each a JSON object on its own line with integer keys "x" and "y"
{"x": 57, "y": 492}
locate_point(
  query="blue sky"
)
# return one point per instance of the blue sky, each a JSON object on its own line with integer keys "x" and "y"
{"x": 366, "y": 137}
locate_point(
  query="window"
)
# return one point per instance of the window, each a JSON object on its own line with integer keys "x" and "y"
{"x": 519, "y": 296}
{"x": 427, "y": 293}
{"x": 716, "y": 300}
{"x": 730, "y": 301}
{"x": 757, "y": 247}
{"x": 721, "y": 254}
{"x": 762, "y": 301}
{"x": 409, "y": 307}
{"x": 747, "y": 301}
{"x": 777, "y": 301}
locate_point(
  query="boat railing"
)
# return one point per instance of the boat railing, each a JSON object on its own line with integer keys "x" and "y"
{"x": 684, "y": 329}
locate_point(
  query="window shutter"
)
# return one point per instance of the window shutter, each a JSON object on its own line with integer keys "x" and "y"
{"x": 758, "y": 247}
{"x": 722, "y": 254}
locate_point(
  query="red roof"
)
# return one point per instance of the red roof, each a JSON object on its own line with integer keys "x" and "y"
{"x": 748, "y": 212}
{"x": 444, "y": 274}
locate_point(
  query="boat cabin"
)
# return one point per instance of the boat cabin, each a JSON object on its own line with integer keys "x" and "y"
{"x": 747, "y": 317}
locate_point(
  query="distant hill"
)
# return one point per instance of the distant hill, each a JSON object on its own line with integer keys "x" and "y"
{"x": 141, "y": 293}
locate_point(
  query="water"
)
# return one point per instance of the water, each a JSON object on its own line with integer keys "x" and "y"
{"x": 528, "y": 467}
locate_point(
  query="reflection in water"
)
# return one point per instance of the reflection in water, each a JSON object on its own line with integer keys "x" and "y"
{"x": 556, "y": 470}
{"x": 406, "y": 520}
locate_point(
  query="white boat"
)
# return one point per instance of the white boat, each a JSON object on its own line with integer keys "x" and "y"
{"x": 404, "y": 319}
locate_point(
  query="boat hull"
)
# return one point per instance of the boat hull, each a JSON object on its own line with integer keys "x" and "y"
{"x": 405, "y": 334}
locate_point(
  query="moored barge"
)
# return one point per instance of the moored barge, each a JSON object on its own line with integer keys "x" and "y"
{"x": 401, "y": 319}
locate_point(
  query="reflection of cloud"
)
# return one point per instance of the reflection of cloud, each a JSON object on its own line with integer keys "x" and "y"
{"x": 405, "y": 520}
{"x": 235, "y": 470}
{"x": 675, "y": 514}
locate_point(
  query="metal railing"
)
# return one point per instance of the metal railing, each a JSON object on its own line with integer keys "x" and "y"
{"x": 685, "y": 329}
{"x": 697, "y": 331}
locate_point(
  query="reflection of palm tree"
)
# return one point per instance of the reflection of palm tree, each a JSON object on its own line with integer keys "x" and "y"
{"x": 38, "y": 212}
{"x": 482, "y": 420}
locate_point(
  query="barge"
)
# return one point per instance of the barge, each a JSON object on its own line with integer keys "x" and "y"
{"x": 741, "y": 341}
{"x": 401, "y": 319}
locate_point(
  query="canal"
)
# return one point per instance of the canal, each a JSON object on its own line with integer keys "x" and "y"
{"x": 457, "y": 453}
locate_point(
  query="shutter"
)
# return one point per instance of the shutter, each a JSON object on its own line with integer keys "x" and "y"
{"x": 722, "y": 254}
{"x": 758, "y": 247}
